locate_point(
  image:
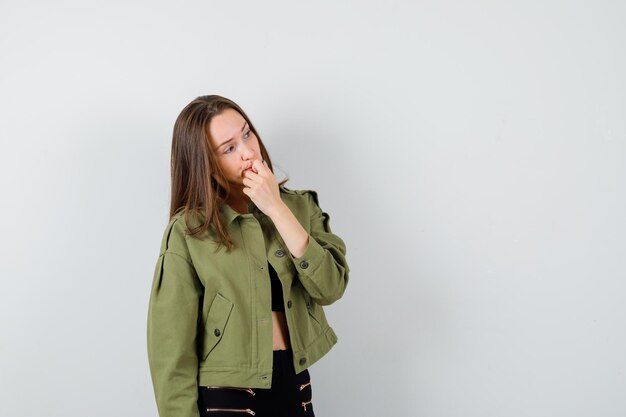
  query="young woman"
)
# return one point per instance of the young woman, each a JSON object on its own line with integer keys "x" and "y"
{"x": 235, "y": 313}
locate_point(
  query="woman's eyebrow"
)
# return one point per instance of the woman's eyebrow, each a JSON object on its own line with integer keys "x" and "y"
{"x": 226, "y": 141}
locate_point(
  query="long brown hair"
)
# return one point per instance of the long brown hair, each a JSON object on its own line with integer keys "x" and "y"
{"x": 193, "y": 163}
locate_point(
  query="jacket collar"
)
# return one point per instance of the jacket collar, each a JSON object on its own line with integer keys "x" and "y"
{"x": 229, "y": 214}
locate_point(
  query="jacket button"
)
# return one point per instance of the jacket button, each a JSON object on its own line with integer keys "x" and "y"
{"x": 304, "y": 264}
{"x": 308, "y": 305}
{"x": 279, "y": 253}
{"x": 302, "y": 361}
{"x": 289, "y": 304}
{"x": 217, "y": 332}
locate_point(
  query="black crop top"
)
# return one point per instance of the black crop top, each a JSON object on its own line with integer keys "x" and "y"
{"x": 278, "y": 304}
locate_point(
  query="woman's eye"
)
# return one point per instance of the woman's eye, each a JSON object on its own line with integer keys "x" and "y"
{"x": 246, "y": 136}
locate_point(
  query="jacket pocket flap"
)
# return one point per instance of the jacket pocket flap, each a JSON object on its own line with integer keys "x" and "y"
{"x": 216, "y": 323}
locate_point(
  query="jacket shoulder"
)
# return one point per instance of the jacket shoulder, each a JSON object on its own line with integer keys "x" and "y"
{"x": 174, "y": 237}
{"x": 303, "y": 192}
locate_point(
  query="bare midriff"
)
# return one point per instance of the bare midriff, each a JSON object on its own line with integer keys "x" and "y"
{"x": 280, "y": 331}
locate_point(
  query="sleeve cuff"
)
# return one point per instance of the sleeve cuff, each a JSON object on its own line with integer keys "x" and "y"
{"x": 311, "y": 259}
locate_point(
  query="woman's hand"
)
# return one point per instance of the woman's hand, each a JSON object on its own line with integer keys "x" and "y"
{"x": 262, "y": 188}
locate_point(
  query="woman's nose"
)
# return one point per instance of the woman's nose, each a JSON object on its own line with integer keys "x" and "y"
{"x": 246, "y": 152}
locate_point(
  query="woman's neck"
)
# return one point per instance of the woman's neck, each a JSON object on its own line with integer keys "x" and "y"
{"x": 238, "y": 201}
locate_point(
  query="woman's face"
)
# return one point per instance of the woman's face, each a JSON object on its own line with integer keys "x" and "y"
{"x": 234, "y": 144}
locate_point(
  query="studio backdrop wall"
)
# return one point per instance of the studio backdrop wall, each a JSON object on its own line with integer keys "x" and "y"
{"x": 472, "y": 155}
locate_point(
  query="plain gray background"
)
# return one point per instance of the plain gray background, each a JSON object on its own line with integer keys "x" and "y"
{"x": 471, "y": 154}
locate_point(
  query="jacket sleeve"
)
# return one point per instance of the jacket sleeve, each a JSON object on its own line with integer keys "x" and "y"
{"x": 322, "y": 269}
{"x": 173, "y": 314}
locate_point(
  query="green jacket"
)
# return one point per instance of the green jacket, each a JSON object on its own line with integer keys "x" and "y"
{"x": 209, "y": 316}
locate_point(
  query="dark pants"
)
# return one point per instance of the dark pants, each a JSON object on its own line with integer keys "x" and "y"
{"x": 289, "y": 396}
